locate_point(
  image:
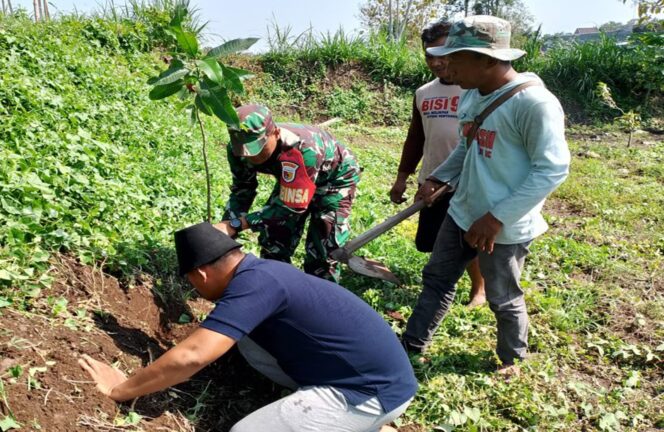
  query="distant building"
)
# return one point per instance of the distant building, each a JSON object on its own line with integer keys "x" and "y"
{"x": 585, "y": 30}
{"x": 587, "y": 34}
{"x": 619, "y": 33}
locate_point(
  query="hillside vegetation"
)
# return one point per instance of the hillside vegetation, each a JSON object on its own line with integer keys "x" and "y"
{"x": 95, "y": 178}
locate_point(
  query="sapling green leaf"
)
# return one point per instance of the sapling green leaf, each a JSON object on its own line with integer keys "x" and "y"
{"x": 163, "y": 91}
{"x": 216, "y": 97}
{"x": 241, "y": 73}
{"x": 211, "y": 69}
{"x": 198, "y": 101}
{"x": 186, "y": 40}
{"x": 171, "y": 75}
{"x": 204, "y": 77}
{"x": 231, "y": 47}
{"x": 232, "y": 81}
{"x": 174, "y": 65}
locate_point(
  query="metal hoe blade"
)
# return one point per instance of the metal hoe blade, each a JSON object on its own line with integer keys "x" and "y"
{"x": 373, "y": 269}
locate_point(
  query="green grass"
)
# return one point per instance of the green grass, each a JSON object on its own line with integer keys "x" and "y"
{"x": 571, "y": 71}
{"x": 89, "y": 166}
{"x": 589, "y": 282}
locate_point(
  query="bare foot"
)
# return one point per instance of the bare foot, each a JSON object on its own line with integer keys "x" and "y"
{"x": 396, "y": 316}
{"x": 477, "y": 301}
{"x": 388, "y": 429}
{"x": 509, "y": 371}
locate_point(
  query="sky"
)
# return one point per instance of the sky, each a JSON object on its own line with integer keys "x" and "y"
{"x": 229, "y": 20}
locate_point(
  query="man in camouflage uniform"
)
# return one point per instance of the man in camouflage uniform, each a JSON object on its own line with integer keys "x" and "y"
{"x": 317, "y": 176}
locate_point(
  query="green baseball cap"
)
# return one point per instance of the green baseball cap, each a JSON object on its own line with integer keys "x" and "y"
{"x": 255, "y": 125}
{"x": 480, "y": 33}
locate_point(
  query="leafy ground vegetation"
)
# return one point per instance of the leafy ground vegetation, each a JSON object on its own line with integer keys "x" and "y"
{"x": 95, "y": 177}
{"x": 301, "y": 66}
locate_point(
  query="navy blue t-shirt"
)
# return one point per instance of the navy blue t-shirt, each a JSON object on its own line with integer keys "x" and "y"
{"x": 320, "y": 333}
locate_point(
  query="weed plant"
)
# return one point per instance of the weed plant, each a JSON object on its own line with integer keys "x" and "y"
{"x": 89, "y": 166}
{"x": 571, "y": 70}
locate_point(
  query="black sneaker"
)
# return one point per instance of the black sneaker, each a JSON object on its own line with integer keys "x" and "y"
{"x": 410, "y": 348}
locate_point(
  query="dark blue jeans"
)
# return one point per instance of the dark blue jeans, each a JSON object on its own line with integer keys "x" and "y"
{"x": 501, "y": 271}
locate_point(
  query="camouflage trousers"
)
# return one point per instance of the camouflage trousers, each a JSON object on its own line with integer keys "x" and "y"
{"x": 329, "y": 229}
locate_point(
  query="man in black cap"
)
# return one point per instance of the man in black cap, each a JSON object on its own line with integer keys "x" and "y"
{"x": 345, "y": 364}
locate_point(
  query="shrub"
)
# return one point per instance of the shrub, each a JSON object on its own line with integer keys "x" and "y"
{"x": 570, "y": 70}
{"x": 88, "y": 165}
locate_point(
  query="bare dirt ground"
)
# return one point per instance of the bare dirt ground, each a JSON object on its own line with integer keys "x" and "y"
{"x": 131, "y": 326}
{"x": 128, "y": 327}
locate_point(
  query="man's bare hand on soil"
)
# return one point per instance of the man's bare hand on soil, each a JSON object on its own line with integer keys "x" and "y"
{"x": 106, "y": 377}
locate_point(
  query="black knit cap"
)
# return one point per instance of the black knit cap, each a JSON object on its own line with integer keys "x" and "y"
{"x": 201, "y": 244}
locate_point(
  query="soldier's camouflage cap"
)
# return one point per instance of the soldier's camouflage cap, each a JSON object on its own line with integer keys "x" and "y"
{"x": 255, "y": 125}
{"x": 480, "y": 33}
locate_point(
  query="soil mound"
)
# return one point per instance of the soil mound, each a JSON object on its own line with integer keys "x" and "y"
{"x": 88, "y": 312}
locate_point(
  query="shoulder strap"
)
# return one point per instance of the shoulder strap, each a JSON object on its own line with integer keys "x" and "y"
{"x": 477, "y": 122}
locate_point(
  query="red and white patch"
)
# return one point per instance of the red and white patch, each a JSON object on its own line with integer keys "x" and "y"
{"x": 294, "y": 197}
{"x": 296, "y": 188}
{"x": 485, "y": 139}
{"x": 289, "y": 171}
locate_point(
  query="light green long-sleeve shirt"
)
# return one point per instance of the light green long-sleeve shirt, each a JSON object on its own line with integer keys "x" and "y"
{"x": 518, "y": 158}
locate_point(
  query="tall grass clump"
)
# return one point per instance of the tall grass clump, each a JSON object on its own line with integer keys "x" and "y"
{"x": 574, "y": 70}
{"x": 149, "y": 18}
{"x": 319, "y": 74}
{"x": 385, "y": 60}
{"x": 398, "y": 62}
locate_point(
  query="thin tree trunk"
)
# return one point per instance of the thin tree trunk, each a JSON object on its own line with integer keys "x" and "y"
{"x": 646, "y": 99}
{"x": 34, "y": 5}
{"x": 41, "y": 10}
{"x": 9, "y": 3}
{"x": 389, "y": 20}
{"x": 405, "y": 20}
{"x": 397, "y": 21}
{"x": 466, "y": 5}
{"x": 47, "y": 15}
{"x": 207, "y": 170}
{"x": 4, "y": 10}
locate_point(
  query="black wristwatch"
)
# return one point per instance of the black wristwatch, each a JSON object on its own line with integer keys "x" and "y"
{"x": 236, "y": 224}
